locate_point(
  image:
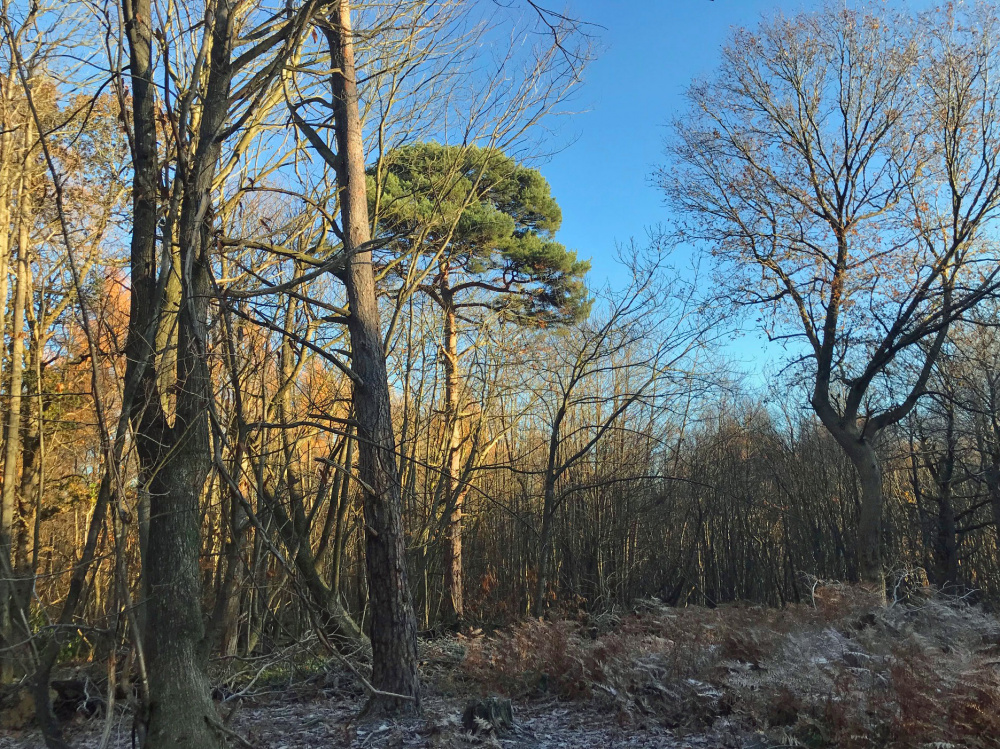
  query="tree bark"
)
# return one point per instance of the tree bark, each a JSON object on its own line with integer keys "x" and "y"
{"x": 393, "y": 627}
{"x": 455, "y": 496}
{"x": 146, "y": 414}
{"x": 945, "y": 545}
{"x": 870, "y": 562}
{"x": 29, "y": 492}
{"x": 180, "y": 709}
{"x": 553, "y": 470}
{"x": 992, "y": 477}
{"x": 223, "y": 631}
{"x": 12, "y": 426}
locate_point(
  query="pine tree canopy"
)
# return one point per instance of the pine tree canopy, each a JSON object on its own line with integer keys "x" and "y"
{"x": 488, "y": 223}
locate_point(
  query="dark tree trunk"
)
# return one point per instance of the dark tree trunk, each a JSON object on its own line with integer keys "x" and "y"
{"x": 393, "y": 627}
{"x": 181, "y": 712}
{"x": 860, "y": 450}
{"x": 28, "y": 495}
{"x": 553, "y": 470}
{"x": 945, "y": 544}
{"x": 869, "y": 553}
{"x": 992, "y": 476}
{"x": 176, "y": 458}
{"x": 946, "y": 538}
{"x": 147, "y": 418}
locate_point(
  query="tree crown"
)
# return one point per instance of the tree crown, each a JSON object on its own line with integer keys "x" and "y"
{"x": 487, "y": 223}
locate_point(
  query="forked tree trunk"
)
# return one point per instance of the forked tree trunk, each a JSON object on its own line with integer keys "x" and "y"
{"x": 860, "y": 451}
{"x": 341, "y": 493}
{"x": 293, "y": 523}
{"x": 176, "y": 458}
{"x": 393, "y": 625}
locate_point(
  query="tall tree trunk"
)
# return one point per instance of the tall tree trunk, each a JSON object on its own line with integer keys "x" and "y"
{"x": 29, "y": 491}
{"x": 6, "y": 193}
{"x": 552, "y": 473}
{"x": 393, "y": 627}
{"x": 224, "y": 626}
{"x": 147, "y": 416}
{"x": 455, "y": 496}
{"x": 180, "y": 711}
{"x": 945, "y": 543}
{"x": 12, "y": 427}
{"x": 990, "y": 452}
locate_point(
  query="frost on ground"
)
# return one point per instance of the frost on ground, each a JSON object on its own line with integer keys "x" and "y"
{"x": 841, "y": 672}
{"x": 326, "y": 720}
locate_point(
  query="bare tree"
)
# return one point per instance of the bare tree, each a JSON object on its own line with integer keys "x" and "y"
{"x": 637, "y": 349}
{"x": 843, "y": 166}
{"x": 174, "y": 449}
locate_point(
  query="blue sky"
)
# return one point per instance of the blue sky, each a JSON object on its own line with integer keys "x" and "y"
{"x": 650, "y": 50}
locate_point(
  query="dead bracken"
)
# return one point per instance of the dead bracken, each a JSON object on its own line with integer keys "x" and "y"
{"x": 842, "y": 671}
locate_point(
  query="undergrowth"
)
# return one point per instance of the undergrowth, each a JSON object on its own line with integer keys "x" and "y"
{"x": 844, "y": 672}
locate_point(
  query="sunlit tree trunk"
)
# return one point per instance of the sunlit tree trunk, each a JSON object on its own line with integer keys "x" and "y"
{"x": 455, "y": 494}
{"x": 12, "y": 418}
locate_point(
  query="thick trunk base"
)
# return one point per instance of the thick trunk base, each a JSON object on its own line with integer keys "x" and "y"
{"x": 181, "y": 714}
{"x": 385, "y": 706}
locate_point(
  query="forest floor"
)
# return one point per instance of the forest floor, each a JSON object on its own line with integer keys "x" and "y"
{"x": 839, "y": 672}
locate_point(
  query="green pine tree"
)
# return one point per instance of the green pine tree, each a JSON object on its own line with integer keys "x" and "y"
{"x": 480, "y": 228}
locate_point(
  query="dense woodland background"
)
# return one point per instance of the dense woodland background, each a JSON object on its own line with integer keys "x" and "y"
{"x": 196, "y": 462}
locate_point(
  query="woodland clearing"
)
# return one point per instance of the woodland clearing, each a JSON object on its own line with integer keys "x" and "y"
{"x": 295, "y": 365}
